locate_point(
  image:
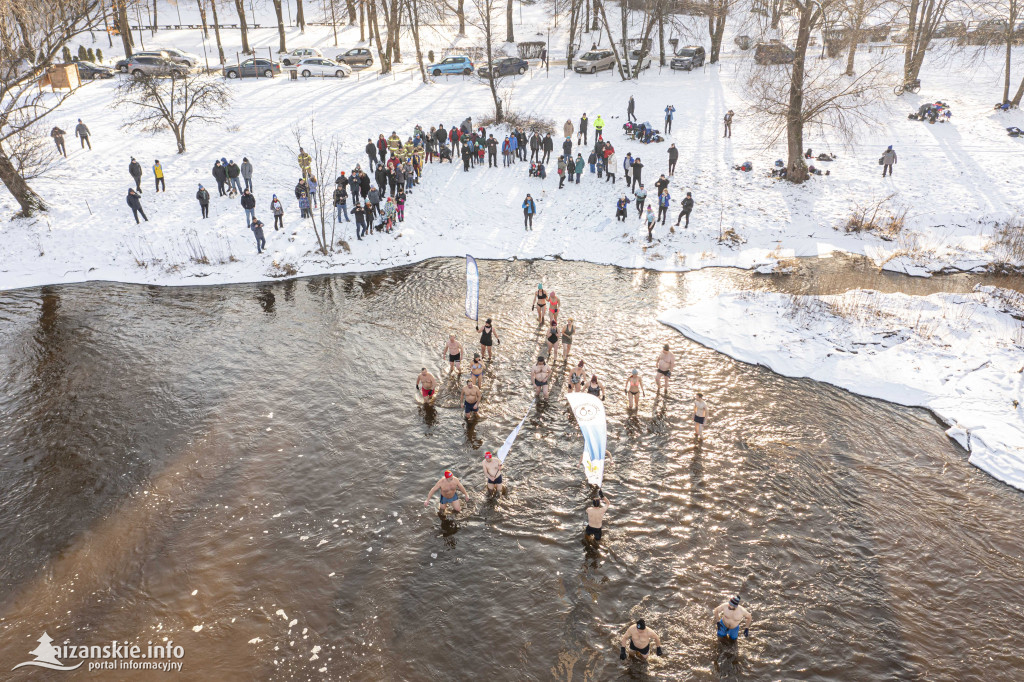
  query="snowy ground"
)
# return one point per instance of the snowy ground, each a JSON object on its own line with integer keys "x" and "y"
{"x": 956, "y": 179}
{"x": 960, "y": 356}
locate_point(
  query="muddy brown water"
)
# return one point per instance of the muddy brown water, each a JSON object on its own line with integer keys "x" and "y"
{"x": 141, "y": 464}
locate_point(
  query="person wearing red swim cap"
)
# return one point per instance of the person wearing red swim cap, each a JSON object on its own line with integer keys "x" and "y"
{"x": 492, "y": 470}
{"x": 450, "y": 486}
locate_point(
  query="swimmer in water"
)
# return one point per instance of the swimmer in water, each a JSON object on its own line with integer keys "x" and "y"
{"x": 487, "y": 338}
{"x": 540, "y": 375}
{"x": 567, "y": 332}
{"x": 450, "y": 486}
{"x": 492, "y": 471}
{"x": 728, "y": 617}
{"x": 700, "y": 413}
{"x": 471, "y": 398}
{"x": 553, "y": 343}
{"x": 476, "y": 370}
{"x": 666, "y": 361}
{"x": 540, "y": 301}
{"x": 639, "y": 637}
{"x": 577, "y": 378}
{"x": 426, "y": 383}
{"x": 553, "y": 304}
{"x": 595, "y": 517}
{"x": 595, "y": 387}
{"x": 453, "y": 349}
{"x": 634, "y": 386}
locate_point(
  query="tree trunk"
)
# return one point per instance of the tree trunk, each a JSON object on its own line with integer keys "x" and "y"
{"x": 1020, "y": 94}
{"x": 624, "y": 25}
{"x": 596, "y": 26}
{"x": 608, "y": 31}
{"x": 851, "y": 54}
{"x": 776, "y": 13}
{"x": 216, "y": 32}
{"x": 384, "y": 56}
{"x": 30, "y": 202}
{"x": 362, "y": 20}
{"x": 179, "y": 137}
{"x": 279, "y": 10}
{"x": 1006, "y": 66}
{"x": 153, "y": 29}
{"x": 242, "y": 26}
{"x": 334, "y": 22}
{"x": 202, "y": 17}
{"x": 661, "y": 38}
{"x": 414, "y": 11}
{"x": 716, "y": 29}
{"x": 574, "y": 12}
{"x": 351, "y": 6}
{"x": 300, "y": 16}
{"x": 510, "y": 36}
{"x": 797, "y": 170}
{"x": 395, "y": 29}
{"x": 460, "y": 11}
{"x": 122, "y": 26}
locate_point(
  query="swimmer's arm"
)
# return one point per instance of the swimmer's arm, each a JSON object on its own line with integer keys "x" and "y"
{"x": 463, "y": 489}
{"x": 431, "y": 493}
{"x": 749, "y": 619}
{"x": 718, "y": 612}
{"x": 625, "y": 637}
{"x": 657, "y": 638}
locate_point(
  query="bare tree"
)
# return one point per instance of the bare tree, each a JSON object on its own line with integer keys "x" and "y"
{"x": 31, "y": 37}
{"x": 300, "y": 16}
{"x": 510, "y": 36}
{"x": 388, "y": 46}
{"x": 325, "y": 156}
{"x": 216, "y": 32}
{"x": 282, "y": 46}
{"x": 924, "y": 17}
{"x": 718, "y": 10}
{"x": 485, "y": 10}
{"x": 240, "y": 8}
{"x": 1009, "y": 11}
{"x": 202, "y": 17}
{"x": 460, "y": 12}
{"x": 414, "y": 15}
{"x": 175, "y": 102}
{"x": 121, "y": 15}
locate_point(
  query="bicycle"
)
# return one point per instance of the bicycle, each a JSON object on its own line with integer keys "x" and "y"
{"x": 913, "y": 87}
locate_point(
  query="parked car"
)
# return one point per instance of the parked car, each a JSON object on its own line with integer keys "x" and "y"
{"x": 987, "y": 31}
{"x": 357, "y": 56}
{"x": 181, "y": 57}
{"x": 87, "y": 71}
{"x": 253, "y": 68}
{"x": 454, "y": 64}
{"x": 155, "y": 66}
{"x": 295, "y": 56}
{"x": 951, "y": 29}
{"x": 688, "y": 58}
{"x": 634, "y": 55}
{"x": 122, "y": 64}
{"x": 505, "y": 66}
{"x": 773, "y": 53}
{"x": 594, "y": 61}
{"x": 318, "y": 66}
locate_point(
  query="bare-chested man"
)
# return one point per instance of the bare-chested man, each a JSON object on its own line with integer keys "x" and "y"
{"x": 541, "y": 374}
{"x": 471, "y": 398}
{"x": 728, "y": 617}
{"x": 634, "y": 386}
{"x": 492, "y": 470}
{"x": 638, "y": 638}
{"x": 450, "y": 486}
{"x": 426, "y": 383}
{"x": 666, "y": 361}
{"x": 453, "y": 349}
{"x": 700, "y": 413}
{"x": 595, "y": 516}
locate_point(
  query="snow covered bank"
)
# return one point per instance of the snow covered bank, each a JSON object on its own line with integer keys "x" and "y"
{"x": 960, "y": 356}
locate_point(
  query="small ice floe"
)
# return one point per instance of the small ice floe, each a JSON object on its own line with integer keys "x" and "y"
{"x": 197, "y": 628}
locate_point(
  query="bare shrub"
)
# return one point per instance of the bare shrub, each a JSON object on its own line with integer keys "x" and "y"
{"x": 882, "y": 216}
{"x": 1008, "y": 244}
{"x": 517, "y": 120}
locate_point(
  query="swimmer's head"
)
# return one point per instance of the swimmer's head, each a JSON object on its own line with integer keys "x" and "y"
{"x": 579, "y": 364}
{"x": 488, "y": 320}
{"x": 596, "y": 502}
{"x": 641, "y": 625}
{"x": 734, "y": 602}
{"x": 540, "y": 359}
{"x": 539, "y": 285}
{"x": 665, "y": 346}
{"x": 476, "y": 356}
{"x": 451, "y": 337}
{"x": 699, "y": 394}
{"x": 447, "y": 474}
{"x": 635, "y": 372}
{"x": 487, "y": 455}
{"x": 423, "y": 369}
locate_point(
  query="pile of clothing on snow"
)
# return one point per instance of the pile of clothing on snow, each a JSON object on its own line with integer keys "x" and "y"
{"x": 642, "y": 132}
{"x": 933, "y": 112}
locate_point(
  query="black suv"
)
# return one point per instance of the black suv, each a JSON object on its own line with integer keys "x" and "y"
{"x": 688, "y": 58}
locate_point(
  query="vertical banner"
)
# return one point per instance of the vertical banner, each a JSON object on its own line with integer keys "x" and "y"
{"x": 507, "y": 445}
{"x": 589, "y": 412}
{"x": 472, "y": 289}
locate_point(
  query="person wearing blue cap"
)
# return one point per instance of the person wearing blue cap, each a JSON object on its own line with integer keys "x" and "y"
{"x": 729, "y": 615}
{"x": 204, "y": 201}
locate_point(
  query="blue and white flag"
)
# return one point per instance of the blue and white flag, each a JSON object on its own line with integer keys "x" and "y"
{"x": 507, "y": 445}
{"x": 589, "y": 411}
{"x": 472, "y": 289}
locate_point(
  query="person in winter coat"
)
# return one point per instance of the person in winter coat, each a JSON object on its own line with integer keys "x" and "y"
{"x": 687, "y": 207}
{"x": 669, "y": 114}
{"x": 234, "y": 184}
{"x": 610, "y": 162}
{"x": 466, "y": 156}
{"x": 529, "y": 209}
{"x": 660, "y": 185}
{"x": 598, "y": 127}
{"x": 136, "y": 205}
{"x": 581, "y": 130}
{"x": 360, "y": 215}
{"x": 247, "y": 173}
{"x": 547, "y": 145}
{"x": 400, "y": 199}
{"x": 301, "y": 189}
{"x": 135, "y": 170}
{"x": 592, "y": 161}
{"x": 249, "y": 205}
{"x": 570, "y": 168}
{"x": 567, "y": 149}
{"x": 220, "y": 174}
{"x": 82, "y": 133}
{"x": 506, "y": 152}
{"x": 304, "y": 211}
{"x": 374, "y": 198}
{"x": 650, "y": 223}
{"x": 305, "y": 161}
{"x": 513, "y": 145}
{"x": 727, "y": 120}
{"x": 364, "y": 185}
{"x": 673, "y": 156}
{"x": 627, "y": 168}
{"x": 579, "y": 167}
{"x": 535, "y": 147}
{"x": 158, "y": 175}
{"x": 382, "y": 149}
{"x": 381, "y": 176}
{"x": 394, "y": 143}
{"x": 492, "y": 152}
{"x": 888, "y": 161}
{"x": 204, "y": 201}
{"x": 313, "y": 184}
{"x": 641, "y": 197}
{"x": 371, "y": 153}
{"x": 521, "y": 143}
{"x": 58, "y": 139}
{"x": 620, "y": 208}
{"x": 567, "y": 129}
{"x": 638, "y": 169}
{"x": 277, "y": 208}
{"x": 561, "y": 172}
{"x": 663, "y": 201}
{"x": 392, "y": 181}
{"x": 631, "y": 110}
{"x": 389, "y": 214}
{"x": 340, "y": 201}
{"x": 257, "y": 231}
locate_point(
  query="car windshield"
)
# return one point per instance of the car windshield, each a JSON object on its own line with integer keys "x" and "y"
{"x": 687, "y": 52}
{"x": 591, "y": 56}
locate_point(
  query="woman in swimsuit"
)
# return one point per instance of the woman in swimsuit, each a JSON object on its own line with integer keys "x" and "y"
{"x": 487, "y": 336}
{"x": 577, "y": 378}
{"x": 567, "y": 332}
{"x": 476, "y": 370}
{"x": 553, "y": 307}
{"x": 595, "y": 387}
{"x": 634, "y": 385}
{"x": 539, "y": 302}
{"x": 553, "y": 343}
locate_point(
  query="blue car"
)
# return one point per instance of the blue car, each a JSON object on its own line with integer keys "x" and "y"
{"x": 455, "y": 64}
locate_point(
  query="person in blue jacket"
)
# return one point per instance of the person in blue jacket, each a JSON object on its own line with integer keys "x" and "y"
{"x": 529, "y": 208}
{"x": 513, "y": 143}
{"x": 663, "y": 199}
{"x": 620, "y": 208}
{"x": 669, "y": 113}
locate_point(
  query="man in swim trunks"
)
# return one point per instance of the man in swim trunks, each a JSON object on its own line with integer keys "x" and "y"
{"x": 540, "y": 375}
{"x": 553, "y": 304}
{"x": 453, "y": 349}
{"x": 666, "y": 361}
{"x": 634, "y": 385}
{"x": 426, "y": 383}
{"x": 471, "y": 398}
{"x": 700, "y": 413}
{"x": 728, "y": 617}
{"x": 492, "y": 471}
{"x": 639, "y": 637}
{"x": 450, "y": 486}
{"x": 595, "y": 516}
{"x": 476, "y": 370}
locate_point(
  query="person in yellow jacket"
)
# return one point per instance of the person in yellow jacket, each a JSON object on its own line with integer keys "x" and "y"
{"x": 394, "y": 143}
{"x": 421, "y": 156}
{"x": 305, "y": 162}
{"x": 598, "y": 127}
{"x": 407, "y": 150}
{"x": 158, "y": 173}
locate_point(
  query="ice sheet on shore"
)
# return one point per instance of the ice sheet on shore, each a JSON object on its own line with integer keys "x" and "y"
{"x": 959, "y": 355}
